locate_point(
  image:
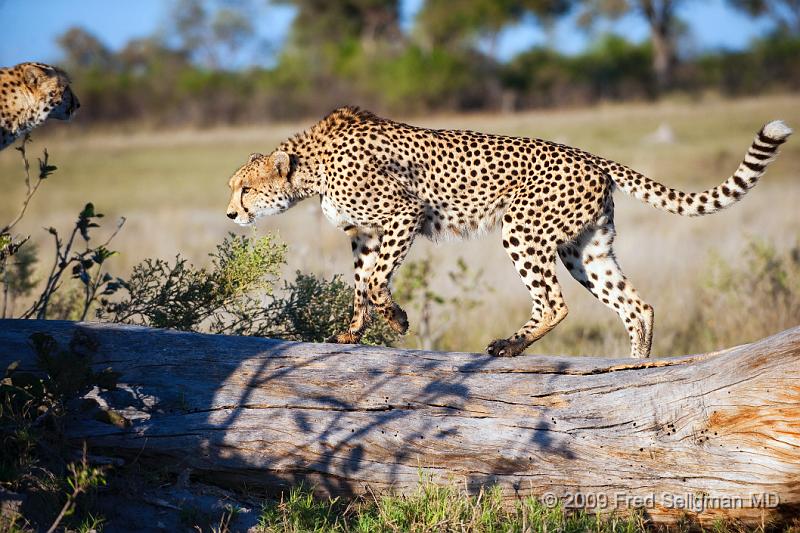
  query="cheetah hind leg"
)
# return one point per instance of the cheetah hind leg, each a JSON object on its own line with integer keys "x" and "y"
{"x": 590, "y": 259}
{"x": 533, "y": 330}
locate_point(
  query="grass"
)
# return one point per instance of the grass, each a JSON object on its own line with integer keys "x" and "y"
{"x": 171, "y": 186}
{"x": 432, "y": 508}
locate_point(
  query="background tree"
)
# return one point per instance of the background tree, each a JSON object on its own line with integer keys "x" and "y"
{"x": 338, "y": 46}
{"x": 82, "y": 50}
{"x": 661, "y": 19}
{"x": 785, "y": 13}
{"x": 458, "y": 28}
{"x": 209, "y": 30}
{"x": 201, "y": 68}
{"x": 319, "y": 21}
{"x": 461, "y": 22}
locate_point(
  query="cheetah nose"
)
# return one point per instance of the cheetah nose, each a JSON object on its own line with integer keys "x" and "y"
{"x": 231, "y": 215}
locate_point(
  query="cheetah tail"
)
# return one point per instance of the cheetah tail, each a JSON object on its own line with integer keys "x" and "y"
{"x": 762, "y": 152}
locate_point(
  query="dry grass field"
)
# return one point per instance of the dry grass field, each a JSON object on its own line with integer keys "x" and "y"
{"x": 171, "y": 187}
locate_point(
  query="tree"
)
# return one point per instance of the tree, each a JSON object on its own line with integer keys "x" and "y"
{"x": 140, "y": 55}
{"x": 785, "y": 13}
{"x": 205, "y": 29}
{"x": 83, "y": 50}
{"x": 320, "y": 21}
{"x": 459, "y": 23}
{"x": 660, "y": 17}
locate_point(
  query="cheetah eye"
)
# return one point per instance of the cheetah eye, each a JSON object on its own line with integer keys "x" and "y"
{"x": 245, "y": 190}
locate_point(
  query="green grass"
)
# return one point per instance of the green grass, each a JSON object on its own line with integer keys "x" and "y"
{"x": 433, "y": 508}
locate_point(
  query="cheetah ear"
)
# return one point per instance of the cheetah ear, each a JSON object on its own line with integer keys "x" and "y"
{"x": 33, "y": 75}
{"x": 254, "y": 156}
{"x": 281, "y": 162}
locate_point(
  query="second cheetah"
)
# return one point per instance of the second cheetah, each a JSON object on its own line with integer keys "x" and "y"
{"x": 384, "y": 183}
{"x": 30, "y": 94}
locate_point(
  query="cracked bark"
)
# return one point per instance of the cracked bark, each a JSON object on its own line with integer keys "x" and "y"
{"x": 270, "y": 414}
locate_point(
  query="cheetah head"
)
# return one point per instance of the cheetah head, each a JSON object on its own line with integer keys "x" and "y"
{"x": 31, "y": 93}
{"x": 261, "y": 187}
{"x": 51, "y": 86}
{"x": 48, "y": 88}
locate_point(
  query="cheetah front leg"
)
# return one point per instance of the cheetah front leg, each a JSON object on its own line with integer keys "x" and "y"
{"x": 396, "y": 240}
{"x": 365, "y": 244}
{"x": 534, "y": 258}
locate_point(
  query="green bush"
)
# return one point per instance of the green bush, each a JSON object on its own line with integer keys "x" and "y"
{"x": 613, "y": 68}
{"x": 235, "y": 295}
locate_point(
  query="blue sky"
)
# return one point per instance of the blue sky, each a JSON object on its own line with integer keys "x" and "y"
{"x": 31, "y": 27}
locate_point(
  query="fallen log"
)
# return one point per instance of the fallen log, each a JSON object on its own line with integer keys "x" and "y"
{"x": 699, "y": 436}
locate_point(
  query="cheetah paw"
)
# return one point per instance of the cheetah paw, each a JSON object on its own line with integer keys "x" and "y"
{"x": 398, "y": 319}
{"x": 348, "y": 337}
{"x": 504, "y": 348}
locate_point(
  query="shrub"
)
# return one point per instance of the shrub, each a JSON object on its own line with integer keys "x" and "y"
{"x": 762, "y": 297}
{"x": 235, "y": 295}
{"x": 416, "y": 288}
{"x": 180, "y": 296}
{"x": 745, "y": 303}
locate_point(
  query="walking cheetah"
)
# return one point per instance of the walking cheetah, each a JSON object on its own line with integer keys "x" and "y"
{"x": 30, "y": 93}
{"x": 384, "y": 183}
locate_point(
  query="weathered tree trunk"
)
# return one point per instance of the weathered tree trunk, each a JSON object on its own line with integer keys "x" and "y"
{"x": 681, "y": 435}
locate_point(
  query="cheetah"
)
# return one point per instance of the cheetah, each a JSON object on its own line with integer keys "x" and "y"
{"x": 385, "y": 182}
{"x": 31, "y": 93}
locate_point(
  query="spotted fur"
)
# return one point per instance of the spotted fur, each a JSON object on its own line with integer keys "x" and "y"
{"x": 31, "y": 93}
{"x": 384, "y": 183}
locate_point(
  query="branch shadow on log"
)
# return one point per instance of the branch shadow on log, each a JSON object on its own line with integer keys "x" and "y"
{"x": 344, "y": 435}
{"x": 239, "y": 400}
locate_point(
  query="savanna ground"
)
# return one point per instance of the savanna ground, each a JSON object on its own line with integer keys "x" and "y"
{"x": 171, "y": 187}
{"x": 714, "y": 281}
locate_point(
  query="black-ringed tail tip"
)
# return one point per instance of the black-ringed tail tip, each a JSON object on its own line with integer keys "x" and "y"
{"x": 777, "y": 130}
{"x": 763, "y": 151}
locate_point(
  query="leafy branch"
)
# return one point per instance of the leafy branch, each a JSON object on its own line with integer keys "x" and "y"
{"x": 10, "y": 245}
{"x": 81, "y": 479}
{"x": 81, "y": 263}
{"x": 31, "y": 186}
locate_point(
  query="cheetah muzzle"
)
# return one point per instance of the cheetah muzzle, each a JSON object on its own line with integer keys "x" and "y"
{"x": 384, "y": 183}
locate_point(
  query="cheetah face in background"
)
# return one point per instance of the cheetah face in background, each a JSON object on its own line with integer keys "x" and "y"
{"x": 261, "y": 187}
{"x": 51, "y": 87}
{"x": 65, "y": 109}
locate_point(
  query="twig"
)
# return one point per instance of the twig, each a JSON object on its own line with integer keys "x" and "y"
{"x": 91, "y": 288}
{"x": 84, "y": 479}
{"x": 31, "y": 191}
